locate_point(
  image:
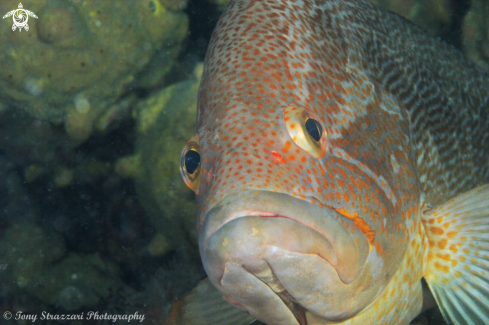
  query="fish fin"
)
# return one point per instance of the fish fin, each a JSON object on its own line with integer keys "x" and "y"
{"x": 457, "y": 270}
{"x": 204, "y": 305}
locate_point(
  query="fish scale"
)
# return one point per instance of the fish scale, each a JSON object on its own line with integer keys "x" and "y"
{"x": 338, "y": 213}
{"x": 445, "y": 96}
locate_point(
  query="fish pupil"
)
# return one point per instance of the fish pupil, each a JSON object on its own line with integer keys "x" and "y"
{"x": 314, "y": 129}
{"x": 192, "y": 161}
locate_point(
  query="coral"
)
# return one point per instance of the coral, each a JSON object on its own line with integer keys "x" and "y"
{"x": 71, "y": 74}
{"x": 435, "y": 16}
{"x": 175, "y": 4}
{"x": 476, "y": 33}
{"x": 36, "y": 264}
{"x": 77, "y": 281}
{"x": 27, "y": 251}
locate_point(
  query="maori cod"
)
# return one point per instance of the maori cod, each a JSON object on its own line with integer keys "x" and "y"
{"x": 340, "y": 157}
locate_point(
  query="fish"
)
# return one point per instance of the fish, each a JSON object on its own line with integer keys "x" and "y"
{"x": 340, "y": 159}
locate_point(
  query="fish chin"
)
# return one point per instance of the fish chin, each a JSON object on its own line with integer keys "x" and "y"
{"x": 276, "y": 265}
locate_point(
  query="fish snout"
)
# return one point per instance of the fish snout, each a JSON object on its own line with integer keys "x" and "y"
{"x": 277, "y": 267}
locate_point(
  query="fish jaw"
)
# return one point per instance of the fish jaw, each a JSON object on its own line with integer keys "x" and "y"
{"x": 289, "y": 253}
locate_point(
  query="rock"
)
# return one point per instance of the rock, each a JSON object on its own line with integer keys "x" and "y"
{"x": 66, "y": 77}
{"x": 165, "y": 121}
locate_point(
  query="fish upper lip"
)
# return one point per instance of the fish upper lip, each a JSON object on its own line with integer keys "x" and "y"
{"x": 274, "y": 215}
{"x": 261, "y": 213}
{"x": 257, "y": 213}
{"x": 323, "y": 220}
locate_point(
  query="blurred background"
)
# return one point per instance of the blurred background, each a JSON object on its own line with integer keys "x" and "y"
{"x": 97, "y": 99}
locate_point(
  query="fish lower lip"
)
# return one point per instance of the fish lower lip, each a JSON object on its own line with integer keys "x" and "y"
{"x": 346, "y": 247}
{"x": 252, "y": 248}
{"x": 313, "y": 252}
{"x": 272, "y": 258}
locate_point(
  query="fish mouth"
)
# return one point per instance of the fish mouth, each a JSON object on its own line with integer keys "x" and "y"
{"x": 276, "y": 255}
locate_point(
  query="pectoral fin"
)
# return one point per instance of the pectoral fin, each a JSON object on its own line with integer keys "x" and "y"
{"x": 204, "y": 305}
{"x": 458, "y": 260}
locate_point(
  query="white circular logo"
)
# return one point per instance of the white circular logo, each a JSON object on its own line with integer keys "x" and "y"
{"x": 20, "y": 17}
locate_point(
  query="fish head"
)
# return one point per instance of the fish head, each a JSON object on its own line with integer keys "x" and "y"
{"x": 307, "y": 193}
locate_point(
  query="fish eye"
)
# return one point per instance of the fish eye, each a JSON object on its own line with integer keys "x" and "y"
{"x": 314, "y": 129}
{"x": 306, "y": 130}
{"x": 192, "y": 161}
{"x": 190, "y": 167}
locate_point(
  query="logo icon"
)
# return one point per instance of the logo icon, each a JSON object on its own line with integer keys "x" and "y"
{"x": 20, "y": 17}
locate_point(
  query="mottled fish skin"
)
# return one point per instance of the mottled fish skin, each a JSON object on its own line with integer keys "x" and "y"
{"x": 444, "y": 94}
{"x": 406, "y": 120}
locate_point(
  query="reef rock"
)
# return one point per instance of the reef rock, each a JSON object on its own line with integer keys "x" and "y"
{"x": 164, "y": 122}
{"x": 73, "y": 71}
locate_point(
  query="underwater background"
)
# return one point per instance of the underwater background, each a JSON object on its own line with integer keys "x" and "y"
{"x": 97, "y": 99}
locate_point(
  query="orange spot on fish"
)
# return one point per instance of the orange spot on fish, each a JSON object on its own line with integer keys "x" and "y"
{"x": 437, "y": 230}
{"x": 451, "y": 234}
{"x": 277, "y": 158}
{"x": 442, "y": 268}
{"x": 442, "y": 243}
{"x": 445, "y": 257}
{"x": 359, "y": 222}
{"x": 287, "y": 146}
{"x": 453, "y": 248}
